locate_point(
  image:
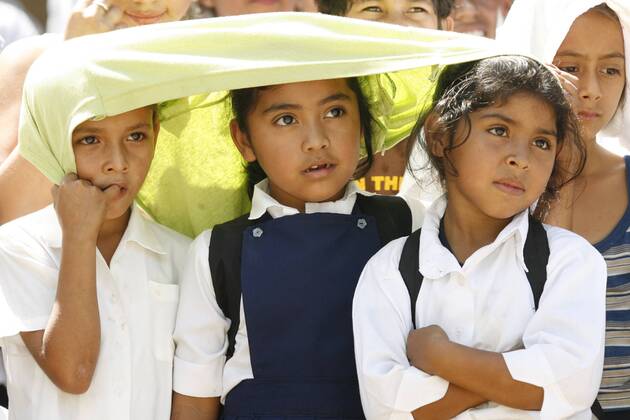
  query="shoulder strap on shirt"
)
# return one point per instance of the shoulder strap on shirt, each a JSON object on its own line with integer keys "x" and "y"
{"x": 536, "y": 255}
{"x": 409, "y": 267}
{"x": 224, "y": 257}
{"x": 392, "y": 214}
{"x": 535, "y": 252}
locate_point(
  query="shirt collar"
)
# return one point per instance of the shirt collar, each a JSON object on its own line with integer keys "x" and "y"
{"x": 139, "y": 230}
{"x": 263, "y": 203}
{"x": 435, "y": 261}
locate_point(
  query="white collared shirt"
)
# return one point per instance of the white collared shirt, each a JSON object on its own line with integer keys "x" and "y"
{"x": 487, "y": 304}
{"x": 137, "y": 298}
{"x": 201, "y": 330}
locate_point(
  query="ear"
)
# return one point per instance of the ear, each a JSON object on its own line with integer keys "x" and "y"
{"x": 434, "y": 136}
{"x": 448, "y": 24}
{"x": 241, "y": 141}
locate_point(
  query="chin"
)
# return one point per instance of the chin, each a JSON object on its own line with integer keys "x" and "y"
{"x": 117, "y": 212}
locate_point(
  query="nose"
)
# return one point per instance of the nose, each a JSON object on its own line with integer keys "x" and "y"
{"x": 116, "y": 160}
{"x": 589, "y": 86}
{"x": 316, "y": 138}
{"x": 518, "y": 156}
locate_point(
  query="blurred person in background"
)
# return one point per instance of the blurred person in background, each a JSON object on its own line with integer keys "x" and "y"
{"x": 386, "y": 174}
{"x": 15, "y": 23}
{"x": 480, "y": 17}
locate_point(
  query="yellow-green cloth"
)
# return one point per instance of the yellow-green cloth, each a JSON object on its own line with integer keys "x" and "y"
{"x": 197, "y": 177}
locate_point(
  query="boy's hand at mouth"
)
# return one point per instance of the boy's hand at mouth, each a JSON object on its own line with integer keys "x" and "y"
{"x": 81, "y": 206}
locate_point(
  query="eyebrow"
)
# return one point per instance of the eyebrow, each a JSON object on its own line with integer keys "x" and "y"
{"x": 89, "y": 129}
{"x": 511, "y": 121}
{"x": 283, "y": 106}
{"x": 570, "y": 53}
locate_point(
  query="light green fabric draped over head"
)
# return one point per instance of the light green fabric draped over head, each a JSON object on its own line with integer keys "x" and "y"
{"x": 197, "y": 177}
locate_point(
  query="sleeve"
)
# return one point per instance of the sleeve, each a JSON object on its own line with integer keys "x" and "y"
{"x": 564, "y": 340}
{"x": 200, "y": 329}
{"x": 28, "y": 283}
{"x": 390, "y": 387}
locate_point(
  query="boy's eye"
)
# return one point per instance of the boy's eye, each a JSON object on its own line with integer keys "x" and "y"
{"x": 88, "y": 140}
{"x": 611, "y": 71}
{"x": 569, "y": 69}
{"x": 335, "y": 113}
{"x": 542, "y": 144}
{"x": 285, "y": 120}
{"x": 498, "y": 131}
{"x": 136, "y": 137}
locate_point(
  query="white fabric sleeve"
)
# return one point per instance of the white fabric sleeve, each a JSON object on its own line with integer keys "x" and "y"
{"x": 564, "y": 340}
{"x": 390, "y": 387}
{"x": 201, "y": 328}
{"x": 28, "y": 282}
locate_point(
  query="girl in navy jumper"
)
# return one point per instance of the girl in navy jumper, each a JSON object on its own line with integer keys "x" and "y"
{"x": 288, "y": 269}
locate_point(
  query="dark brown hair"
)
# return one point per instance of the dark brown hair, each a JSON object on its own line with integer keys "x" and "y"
{"x": 467, "y": 87}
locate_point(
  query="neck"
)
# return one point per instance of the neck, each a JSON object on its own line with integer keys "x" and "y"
{"x": 598, "y": 158}
{"x": 111, "y": 233}
{"x": 466, "y": 232}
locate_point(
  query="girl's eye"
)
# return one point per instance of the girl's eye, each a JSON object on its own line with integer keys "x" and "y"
{"x": 498, "y": 131}
{"x": 611, "y": 71}
{"x": 88, "y": 140}
{"x": 372, "y": 9}
{"x": 285, "y": 120}
{"x": 542, "y": 144}
{"x": 418, "y": 10}
{"x": 335, "y": 113}
{"x": 136, "y": 137}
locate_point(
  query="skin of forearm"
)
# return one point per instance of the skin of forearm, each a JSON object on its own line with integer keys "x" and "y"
{"x": 193, "y": 408}
{"x": 455, "y": 401}
{"x": 71, "y": 341}
{"x": 486, "y": 374}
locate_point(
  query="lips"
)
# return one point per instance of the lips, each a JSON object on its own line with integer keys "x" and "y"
{"x": 510, "y": 186}
{"x": 319, "y": 167}
{"x": 588, "y": 115}
{"x": 145, "y": 18}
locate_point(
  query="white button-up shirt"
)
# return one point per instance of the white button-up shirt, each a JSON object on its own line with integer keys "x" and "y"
{"x": 486, "y": 304}
{"x": 201, "y": 331}
{"x": 137, "y": 298}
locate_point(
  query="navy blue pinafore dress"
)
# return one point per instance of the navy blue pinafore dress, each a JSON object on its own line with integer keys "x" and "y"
{"x": 298, "y": 275}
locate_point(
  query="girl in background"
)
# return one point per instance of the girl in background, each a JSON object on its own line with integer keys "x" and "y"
{"x": 595, "y": 206}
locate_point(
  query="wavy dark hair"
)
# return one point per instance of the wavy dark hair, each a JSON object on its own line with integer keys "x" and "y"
{"x": 467, "y": 87}
{"x": 244, "y": 101}
{"x": 443, "y": 8}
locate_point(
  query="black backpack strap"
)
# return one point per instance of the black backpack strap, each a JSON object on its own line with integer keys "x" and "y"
{"x": 597, "y": 409}
{"x": 536, "y": 255}
{"x": 409, "y": 270}
{"x": 224, "y": 257}
{"x": 392, "y": 214}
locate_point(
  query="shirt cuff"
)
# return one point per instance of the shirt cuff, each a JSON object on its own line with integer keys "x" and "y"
{"x": 194, "y": 380}
{"x": 418, "y": 389}
{"x": 531, "y": 366}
